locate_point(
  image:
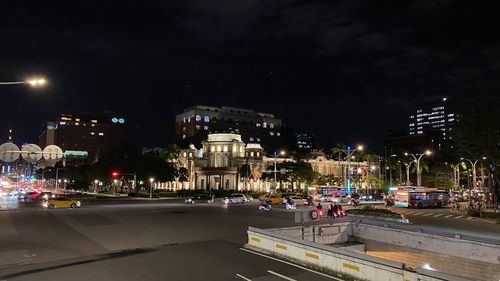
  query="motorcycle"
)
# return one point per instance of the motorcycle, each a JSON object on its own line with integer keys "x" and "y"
{"x": 265, "y": 207}
{"x": 290, "y": 206}
{"x": 354, "y": 202}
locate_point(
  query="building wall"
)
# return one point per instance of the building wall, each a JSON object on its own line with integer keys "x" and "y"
{"x": 195, "y": 123}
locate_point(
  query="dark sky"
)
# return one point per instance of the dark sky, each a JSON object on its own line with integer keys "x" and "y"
{"x": 342, "y": 70}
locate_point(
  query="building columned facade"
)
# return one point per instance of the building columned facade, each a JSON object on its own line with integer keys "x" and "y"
{"x": 225, "y": 162}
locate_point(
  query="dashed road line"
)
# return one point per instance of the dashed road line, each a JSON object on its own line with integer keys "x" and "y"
{"x": 281, "y": 275}
{"x": 469, "y": 218}
{"x": 243, "y": 277}
{"x": 448, "y": 216}
{"x": 428, "y": 214}
{"x": 459, "y": 217}
{"x": 438, "y": 215}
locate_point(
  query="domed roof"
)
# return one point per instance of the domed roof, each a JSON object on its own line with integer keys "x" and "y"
{"x": 254, "y": 146}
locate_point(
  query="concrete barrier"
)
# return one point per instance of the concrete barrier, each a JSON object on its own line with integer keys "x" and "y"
{"x": 338, "y": 260}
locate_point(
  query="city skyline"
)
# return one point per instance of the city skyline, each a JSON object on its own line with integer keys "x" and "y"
{"x": 366, "y": 63}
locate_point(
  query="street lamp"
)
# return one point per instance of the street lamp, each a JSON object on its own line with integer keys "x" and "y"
{"x": 407, "y": 165}
{"x": 32, "y": 82}
{"x": 151, "y": 180}
{"x": 95, "y": 185}
{"x": 349, "y": 153}
{"x": 276, "y": 160}
{"x": 473, "y": 164}
{"x": 417, "y": 158}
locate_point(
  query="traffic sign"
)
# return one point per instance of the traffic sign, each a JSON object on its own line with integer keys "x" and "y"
{"x": 53, "y": 153}
{"x": 76, "y": 154}
{"x": 9, "y": 152}
{"x": 31, "y": 152}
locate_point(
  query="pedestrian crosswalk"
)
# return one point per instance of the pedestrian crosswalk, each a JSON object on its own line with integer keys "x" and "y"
{"x": 433, "y": 215}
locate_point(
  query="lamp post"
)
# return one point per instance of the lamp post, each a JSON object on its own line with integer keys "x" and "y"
{"x": 349, "y": 153}
{"x": 96, "y": 182}
{"x": 33, "y": 82}
{"x": 276, "y": 171}
{"x": 408, "y": 165}
{"x": 473, "y": 164}
{"x": 151, "y": 181}
{"x": 57, "y": 176}
{"x": 417, "y": 158}
{"x": 456, "y": 174}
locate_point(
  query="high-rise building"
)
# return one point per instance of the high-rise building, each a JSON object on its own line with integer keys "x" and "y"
{"x": 194, "y": 124}
{"x": 88, "y": 132}
{"x": 305, "y": 142}
{"x": 434, "y": 115}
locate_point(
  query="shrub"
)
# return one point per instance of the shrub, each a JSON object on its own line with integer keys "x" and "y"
{"x": 375, "y": 212}
{"x": 473, "y": 213}
{"x": 368, "y": 208}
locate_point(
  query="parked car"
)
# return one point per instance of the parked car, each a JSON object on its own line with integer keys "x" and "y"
{"x": 199, "y": 198}
{"x": 60, "y": 202}
{"x": 235, "y": 198}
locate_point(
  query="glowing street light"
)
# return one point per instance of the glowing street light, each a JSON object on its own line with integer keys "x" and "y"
{"x": 38, "y": 82}
{"x": 151, "y": 181}
{"x": 281, "y": 153}
{"x": 417, "y": 158}
{"x": 473, "y": 164}
{"x": 349, "y": 153}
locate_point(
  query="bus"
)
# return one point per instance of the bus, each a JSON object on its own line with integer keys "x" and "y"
{"x": 420, "y": 198}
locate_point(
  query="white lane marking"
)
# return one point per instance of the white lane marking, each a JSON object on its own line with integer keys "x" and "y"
{"x": 469, "y": 218}
{"x": 448, "y": 216}
{"x": 281, "y": 275}
{"x": 459, "y": 217}
{"x": 289, "y": 263}
{"x": 426, "y": 215}
{"x": 408, "y": 213}
{"x": 438, "y": 215}
{"x": 417, "y": 214}
{"x": 243, "y": 277}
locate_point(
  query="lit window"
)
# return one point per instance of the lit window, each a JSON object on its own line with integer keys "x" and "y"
{"x": 190, "y": 154}
{"x": 62, "y": 123}
{"x": 212, "y": 148}
{"x": 92, "y": 133}
{"x": 184, "y": 120}
{"x": 257, "y": 124}
{"x": 251, "y": 154}
{"x": 77, "y": 119}
{"x": 198, "y": 127}
{"x": 183, "y": 136}
{"x": 264, "y": 125}
{"x": 101, "y": 134}
{"x": 271, "y": 125}
{"x": 184, "y": 154}
{"x": 258, "y": 154}
{"x": 198, "y": 117}
{"x": 205, "y": 128}
{"x": 278, "y": 134}
{"x": 258, "y": 139}
{"x": 93, "y": 125}
{"x": 251, "y": 138}
{"x": 183, "y": 129}
{"x": 206, "y": 119}
{"x": 226, "y": 148}
{"x": 93, "y": 121}
{"x": 219, "y": 148}
{"x": 271, "y": 133}
{"x": 76, "y": 123}
{"x": 66, "y": 118}
{"x": 189, "y": 119}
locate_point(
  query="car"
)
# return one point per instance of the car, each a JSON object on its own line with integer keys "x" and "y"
{"x": 273, "y": 199}
{"x": 29, "y": 196}
{"x": 46, "y": 195}
{"x": 60, "y": 202}
{"x": 235, "y": 198}
{"x": 199, "y": 198}
{"x": 298, "y": 200}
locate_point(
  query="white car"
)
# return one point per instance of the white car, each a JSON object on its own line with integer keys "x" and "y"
{"x": 297, "y": 200}
{"x": 235, "y": 198}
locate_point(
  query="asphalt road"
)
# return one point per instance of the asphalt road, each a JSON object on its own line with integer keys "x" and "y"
{"x": 155, "y": 240}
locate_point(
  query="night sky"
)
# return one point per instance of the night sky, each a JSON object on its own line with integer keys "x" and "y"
{"x": 342, "y": 70}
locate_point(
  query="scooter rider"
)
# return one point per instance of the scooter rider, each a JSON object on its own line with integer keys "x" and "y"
{"x": 335, "y": 210}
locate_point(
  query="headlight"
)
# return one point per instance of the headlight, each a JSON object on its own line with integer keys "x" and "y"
{"x": 78, "y": 203}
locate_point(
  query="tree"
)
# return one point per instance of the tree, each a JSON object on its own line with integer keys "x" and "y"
{"x": 477, "y": 135}
{"x": 170, "y": 153}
